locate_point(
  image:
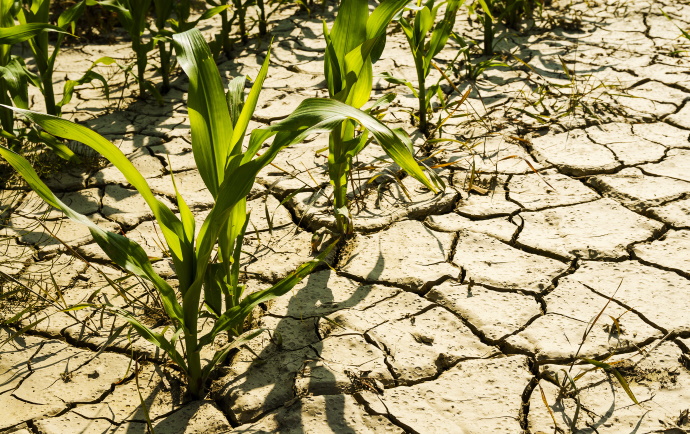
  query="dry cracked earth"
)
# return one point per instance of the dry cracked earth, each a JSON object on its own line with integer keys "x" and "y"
{"x": 563, "y": 234}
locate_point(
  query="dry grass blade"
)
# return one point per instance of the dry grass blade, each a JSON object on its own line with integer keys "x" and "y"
{"x": 589, "y": 329}
{"x": 609, "y": 368}
{"x": 548, "y": 407}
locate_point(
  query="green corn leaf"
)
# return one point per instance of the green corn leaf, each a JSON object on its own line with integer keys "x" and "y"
{"x": 379, "y": 20}
{"x": 210, "y": 13}
{"x": 350, "y": 26}
{"x": 187, "y": 218}
{"x": 23, "y": 32}
{"x": 57, "y": 146}
{"x": 240, "y": 127}
{"x": 235, "y": 97}
{"x": 321, "y": 115}
{"x": 609, "y": 368}
{"x": 16, "y": 77}
{"x": 209, "y": 117}
{"x": 423, "y": 22}
{"x": 88, "y": 77}
{"x": 71, "y": 15}
{"x": 213, "y": 291}
{"x": 120, "y": 249}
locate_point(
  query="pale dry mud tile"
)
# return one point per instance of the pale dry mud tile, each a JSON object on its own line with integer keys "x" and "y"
{"x": 253, "y": 385}
{"x": 286, "y": 333}
{"x": 419, "y": 347}
{"x": 160, "y": 390}
{"x": 680, "y": 118}
{"x": 396, "y": 306}
{"x": 131, "y": 143}
{"x": 15, "y": 357}
{"x": 484, "y": 206}
{"x": 150, "y": 237}
{"x": 450, "y": 403}
{"x": 71, "y": 422}
{"x": 641, "y": 108}
{"x": 277, "y": 107}
{"x": 197, "y": 417}
{"x": 676, "y": 213}
{"x": 628, "y": 148}
{"x": 190, "y": 185}
{"x": 321, "y": 414}
{"x": 60, "y": 270}
{"x": 62, "y": 375}
{"x": 275, "y": 255}
{"x": 501, "y": 228}
{"x": 598, "y": 229}
{"x": 661, "y": 27}
{"x": 671, "y": 251}
{"x": 495, "y": 314}
{"x": 659, "y": 296}
{"x": 342, "y": 361}
{"x": 659, "y": 382}
{"x": 67, "y": 231}
{"x": 659, "y": 92}
{"x": 115, "y": 123}
{"x": 83, "y": 287}
{"x": 546, "y": 190}
{"x": 147, "y": 165}
{"x": 165, "y": 127}
{"x": 324, "y": 292}
{"x": 296, "y": 167}
{"x": 267, "y": 214}
{"x": 570, "y": 309}
{"x": 638, "y": 191}
{"x": 575, "y": 154}
{"x": 491, "y": 262}
{"x": 622, "y": 41}
{"x": 177, "y": 154}
{"x": 375, "y": 207}
{"x": 406, "y": 254}
{"x": 492, "y": 154}
{"x": 664, "y": 134}
{"x": 675, "y": 165}
{"x": 127, "y": 207}
{"x": 664, "y": 72}
{"x": 85, "y": 202}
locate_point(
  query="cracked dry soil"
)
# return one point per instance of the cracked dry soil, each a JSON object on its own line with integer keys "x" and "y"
{"x": 457, "y": 313}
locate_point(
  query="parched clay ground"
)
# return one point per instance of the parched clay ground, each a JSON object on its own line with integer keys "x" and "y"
{"x": 462, "y": 312}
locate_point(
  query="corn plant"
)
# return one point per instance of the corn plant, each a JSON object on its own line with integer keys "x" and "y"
{"x": 423, "y": 50}
{"x": 208, "y": 284}
{"x": 15, "y": 79}
{"x": 132, "y": 15}
{"x": 37, "y": 12}
{"x": 180, "y": 23}
{"x": 354, "y": 43}
{"x": 472, "y": 69}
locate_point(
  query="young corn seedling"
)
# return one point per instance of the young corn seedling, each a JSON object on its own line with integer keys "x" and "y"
{"x": 354, "y": 43}
{"x": 132, "y": 15}
{"x": 37, "y": 12}
{"x": 180, "y": 23}
{"x": 15, "y": 77}
{"x": 423, "y": 50}
{"x": 208, "y": 285}
{"x": 223, "y": 42}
